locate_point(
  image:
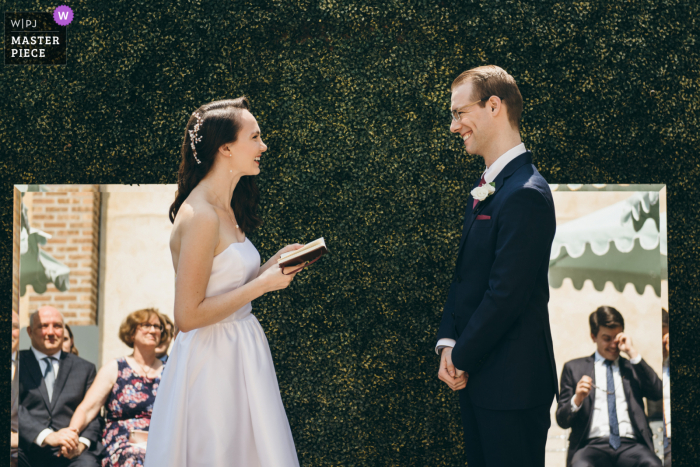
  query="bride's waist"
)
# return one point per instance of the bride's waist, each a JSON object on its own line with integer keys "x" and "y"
{"x": 242, "y": 313}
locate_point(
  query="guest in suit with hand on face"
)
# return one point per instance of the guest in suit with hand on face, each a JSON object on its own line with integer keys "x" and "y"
{"x": 601, "y": 400}
{"x": 51, "y": 385}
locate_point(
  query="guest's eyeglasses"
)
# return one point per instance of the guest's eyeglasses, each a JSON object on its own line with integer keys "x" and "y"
{"x": 604, "y": 390}
{"x": 457, "y": 113}
{"x": 148, "y": 326}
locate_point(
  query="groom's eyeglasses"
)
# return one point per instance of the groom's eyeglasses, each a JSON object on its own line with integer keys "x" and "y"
{"x": 457, "y": 113}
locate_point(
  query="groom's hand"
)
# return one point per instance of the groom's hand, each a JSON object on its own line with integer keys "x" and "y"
{"x": 454, "y": 378}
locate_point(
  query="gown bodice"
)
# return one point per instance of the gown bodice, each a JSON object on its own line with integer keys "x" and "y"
{"x": 234, "y": 267}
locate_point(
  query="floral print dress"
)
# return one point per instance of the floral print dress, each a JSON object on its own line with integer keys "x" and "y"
{"x": 128, "y": 407}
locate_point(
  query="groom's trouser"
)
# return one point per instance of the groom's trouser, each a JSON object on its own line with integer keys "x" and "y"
{"x": 498, "y": 438}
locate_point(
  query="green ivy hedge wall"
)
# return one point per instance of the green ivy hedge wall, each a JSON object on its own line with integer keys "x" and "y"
{"x": 353, "y": 99}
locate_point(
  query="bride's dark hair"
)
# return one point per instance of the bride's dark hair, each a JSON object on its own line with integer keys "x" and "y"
{"x": 219, "y": 123}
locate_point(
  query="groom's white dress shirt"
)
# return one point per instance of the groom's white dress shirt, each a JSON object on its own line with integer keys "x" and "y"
{"x": 42, "y": 364}
{"x": 489, "y": 175}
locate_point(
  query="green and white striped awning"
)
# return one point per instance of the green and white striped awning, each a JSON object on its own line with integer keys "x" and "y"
{"x": 624, "y": 244}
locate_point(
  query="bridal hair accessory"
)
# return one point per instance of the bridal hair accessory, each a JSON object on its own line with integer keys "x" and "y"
{"x": 194, "y": 138}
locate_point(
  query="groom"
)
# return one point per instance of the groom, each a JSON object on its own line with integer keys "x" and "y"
{"x": 494, "y": 338}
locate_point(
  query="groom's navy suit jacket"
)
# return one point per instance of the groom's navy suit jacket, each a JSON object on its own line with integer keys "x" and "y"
{"x": 496, "y": 307}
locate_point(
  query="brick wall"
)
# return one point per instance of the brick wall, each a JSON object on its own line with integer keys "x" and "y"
{"x": 71, "y": 214}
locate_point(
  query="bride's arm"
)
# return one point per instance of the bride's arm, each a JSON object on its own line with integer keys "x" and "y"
{"x": 199, "y": 237}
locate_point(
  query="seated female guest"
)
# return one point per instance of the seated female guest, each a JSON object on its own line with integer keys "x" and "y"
{"x": 162, "y": 349}
{"x": 126, "y": 387}
{"x": 69, "y": 342}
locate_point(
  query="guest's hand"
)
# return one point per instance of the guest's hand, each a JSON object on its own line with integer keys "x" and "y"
{"x": 274, "y": 279}
{"x": 583, "y": 388}
{"x": 70, "y": 454}
{"x": 63, "y": 437}
{"x": 454, "y": 378}
{"x": 624, "y": 343}
{"x": 14, "y": 439}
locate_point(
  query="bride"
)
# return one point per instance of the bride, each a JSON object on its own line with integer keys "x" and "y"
{"x": 218, "y": 403}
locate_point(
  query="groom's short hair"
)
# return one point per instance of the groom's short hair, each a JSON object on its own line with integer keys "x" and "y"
{"x": 491, "y": 80}
{"x": 605, "y": 316}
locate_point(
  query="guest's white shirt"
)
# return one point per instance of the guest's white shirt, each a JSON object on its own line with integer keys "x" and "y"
{"x": 600, "y": 425}
{"x": 14, "y": 419}
{"x": 489, "y": 175}
{"x": 56, "y": 366}
{"x": 666, "y": 378}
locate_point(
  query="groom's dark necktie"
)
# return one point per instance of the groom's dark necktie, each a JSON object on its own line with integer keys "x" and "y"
{"x": 481, "y": 183}
{"x": 612, "y": 409}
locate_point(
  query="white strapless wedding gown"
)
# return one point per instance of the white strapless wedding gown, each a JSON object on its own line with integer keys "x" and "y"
{"x": 218, "y": 403}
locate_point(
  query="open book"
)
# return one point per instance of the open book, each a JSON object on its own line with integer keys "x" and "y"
{"x": 297, "y": 260}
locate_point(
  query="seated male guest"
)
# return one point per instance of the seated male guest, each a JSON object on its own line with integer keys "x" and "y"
{"x": 666, "y": 378}
{"x": 51, "y": 385}
{"x": 601, "y": 400}
{"x": 14, "y": 392}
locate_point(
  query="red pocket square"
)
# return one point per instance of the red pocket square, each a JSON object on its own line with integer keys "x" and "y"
{"x": 482, "y": 217}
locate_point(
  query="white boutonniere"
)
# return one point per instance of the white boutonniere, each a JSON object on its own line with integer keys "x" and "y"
{"x": 482, "y": 192}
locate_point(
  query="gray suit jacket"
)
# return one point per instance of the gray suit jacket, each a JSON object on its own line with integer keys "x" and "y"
{"x": 36, "y": 413}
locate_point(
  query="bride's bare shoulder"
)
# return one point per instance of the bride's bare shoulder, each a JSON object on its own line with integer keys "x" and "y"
{"x": 196, "y": 217}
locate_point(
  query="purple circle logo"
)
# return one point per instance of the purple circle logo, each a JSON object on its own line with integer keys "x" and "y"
{"x": 63, "y": 15}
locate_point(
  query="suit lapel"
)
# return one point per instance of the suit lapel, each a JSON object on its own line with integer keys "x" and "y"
{"x": 29, "y": 361}
{"x": 589, "y": 369}
{"x": 625, "y": 377}
{"x": 470, "y": 215}
{"x": 63, "y": 372}
{"x": 508, "y": 170}
{"x": 468, "y": 218}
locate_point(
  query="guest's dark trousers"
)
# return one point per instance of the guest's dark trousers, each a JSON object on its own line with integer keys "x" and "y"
{"x": 495, "y": 438}
{"x": 667, "y": 454}
{"x": 598, "y": 453}
{"x": 45, "y": 457}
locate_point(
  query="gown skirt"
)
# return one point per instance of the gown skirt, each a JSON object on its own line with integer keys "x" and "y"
{"x": 218, "y": 404}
